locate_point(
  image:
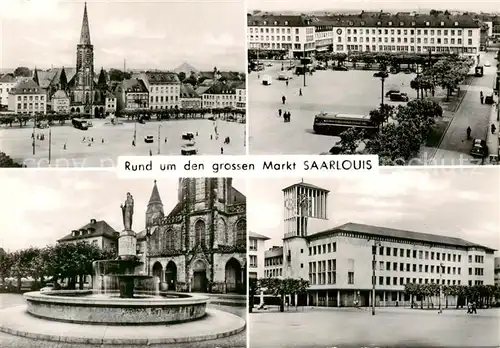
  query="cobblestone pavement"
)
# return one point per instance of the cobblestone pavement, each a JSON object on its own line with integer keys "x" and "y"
{"x": 355, "y": 327}
{"x": 10, "y": 341}
{"x": 17, "y": 143}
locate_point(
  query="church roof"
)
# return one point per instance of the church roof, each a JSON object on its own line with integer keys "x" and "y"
{"x": 45, "y": 78}
{"x": 85, "y": 34}
{"x": 95, "y": 229}
{"x": 155, "y": 196}
{"x": 187, "y": 91}
{"x": 60, "y": 94}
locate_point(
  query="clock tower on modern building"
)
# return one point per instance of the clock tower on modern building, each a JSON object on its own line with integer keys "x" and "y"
{"x": 305, "y": 208}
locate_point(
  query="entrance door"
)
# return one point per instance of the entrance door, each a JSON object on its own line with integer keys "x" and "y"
{"x": 171, "y": 276}
{"x": 199, "y": 281}
{"x": 233, "y": 276}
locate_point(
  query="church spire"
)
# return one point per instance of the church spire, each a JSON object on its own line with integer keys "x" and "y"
{"x": 35, "y": 76}
{"x": 85, "y": 35}
{"x": 155, "y": 196}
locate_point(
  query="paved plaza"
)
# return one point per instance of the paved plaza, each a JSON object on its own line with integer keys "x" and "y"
{"x": 354, "y": 92}
{"x": 13, "y": 300}
{"x": 17, "y": 143}
{"x": 356, "y": 327}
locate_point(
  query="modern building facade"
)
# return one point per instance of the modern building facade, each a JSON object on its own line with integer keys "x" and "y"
{"x": 273, "y": 264}
{"x": 164, "y": 89}
{"x": 338, "y": 261}
{"x": 300, "y": 35}
{"x": 200, "y": 245}
{"x": 256, "y": 254}
{"x": 27, "y": 98}
{"x": 497, "y": 270}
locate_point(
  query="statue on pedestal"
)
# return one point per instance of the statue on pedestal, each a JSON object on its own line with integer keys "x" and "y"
{"x": 128, "y": 212}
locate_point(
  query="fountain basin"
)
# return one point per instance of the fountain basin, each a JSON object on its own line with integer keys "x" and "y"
{"x": 80, "y": 306}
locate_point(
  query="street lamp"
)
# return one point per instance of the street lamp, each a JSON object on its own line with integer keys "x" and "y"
{"x": 440, "y": 286}
{"x": 374, "y": 279}
{"x": 382, "y": 75}
{"x": 159, "y": 127}
{"x": 34, "y": 131}
{"x": 135, "y": 131}
{"x": 50, "y": 142}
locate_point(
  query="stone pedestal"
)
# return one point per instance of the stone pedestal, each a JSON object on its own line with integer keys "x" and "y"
{"x": 127, "y": 245}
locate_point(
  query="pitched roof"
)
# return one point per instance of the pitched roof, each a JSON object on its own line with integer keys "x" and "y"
{"x": 45, "y": 78}
{"x": 240, "y": 85}
{"x": 238, "y": 197}
{"x": 257, "y": 235}
{"x": 221, "y": 88}
{"x": 26, "y": 87}
{"x": 60, "y": 94}
{"x": 96, "y": 228}
{"x": 201, "y": 90}
{"x": 160, "y": 77}
{"x": 398, "y": 234}
{"x": 134, "y": 85}
{"x": 277, "y": 20}
{"x": 9, "y": 78}
{"x": 305, "y": 184}
{"x": 187, "y": 91}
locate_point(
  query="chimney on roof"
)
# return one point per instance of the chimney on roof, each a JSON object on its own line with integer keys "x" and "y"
{"x": 93, "y": 221}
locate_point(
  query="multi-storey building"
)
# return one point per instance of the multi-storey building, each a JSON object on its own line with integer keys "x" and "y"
{"x": 132, "y": 94}
{"x": 219, "y": 95}
{"x": 27, "y": 98}
{"x": 110, "y": 103}
{"x": 189, "y": 98}
{"x": 367, "y": 32}
{"x": 338, "y": 262}
{"x": 291, "y": 33}
{"x": 256, "y": 254}
{"x": 273, "y": 264}
{"x": 7, "y": 82}
{"x": 164, "y": 89}
{"x": 241, "y": 96}
{"x": 98, "y": 233}
{"x": 60, "y": 101}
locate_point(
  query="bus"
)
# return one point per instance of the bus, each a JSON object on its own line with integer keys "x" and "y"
{"x": 79, "y": 123}
{"x": 334, "y": 124}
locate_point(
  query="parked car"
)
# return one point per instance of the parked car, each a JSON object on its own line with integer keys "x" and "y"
{"x": 267, "y": 80}
{"x": 48, "y": 287}
{"x": 187, "y": 136}
{"x": 391, "y": 91}
{"x": 283, "y": 77}
{"x": 149, "y": 139}
{"x": 479, "y": 148}
{"x": 399, "y": 97}
{"x": 340, "y": 68}
{"x": 487, "y": 64}
{"x": 89, "y": 124}
{"x": 189, "y": 149}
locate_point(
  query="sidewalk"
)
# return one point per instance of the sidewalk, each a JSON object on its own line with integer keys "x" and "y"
{"x": 492, "y": 140}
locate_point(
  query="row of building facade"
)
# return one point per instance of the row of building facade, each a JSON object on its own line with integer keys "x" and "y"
{"x": 298, "y": 35}
{"x": 338, "y": 262}
{"x": 82, "y": 90}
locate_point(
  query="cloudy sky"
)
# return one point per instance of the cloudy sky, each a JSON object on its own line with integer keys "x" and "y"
{"x": 372, "y": 5}
{"x": 39, "y": 207}
{"x": 458, "y": 203}
{"x": 160, "y": 34}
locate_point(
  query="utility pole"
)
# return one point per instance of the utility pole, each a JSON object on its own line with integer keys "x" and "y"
{"x": 374, "y": 264}
{"x": 34, "y": 130}
{"x": 159, "y": 126}
{"x": 440, "y": 286}
{"x": 305, "y": 65}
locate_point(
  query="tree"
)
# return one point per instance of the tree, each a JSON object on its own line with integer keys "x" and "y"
{"x": 182, "y": 76}
{"x": 282, "y": 287}
{"x": 22, "y": 71}
{"x": 192, "y": 80}
{"x": 350, "y": 140}
{"x": 253, "y": 288}
{"x": 118, "y": 75}
{"x": 63, "y": 80}
{"x": 382, "y": 114}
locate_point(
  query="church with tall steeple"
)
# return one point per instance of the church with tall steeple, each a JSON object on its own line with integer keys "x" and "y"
{"x": 85, "y": 88}
{"x": 200, "y": 245}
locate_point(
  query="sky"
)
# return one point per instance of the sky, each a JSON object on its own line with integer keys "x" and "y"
{"x": 373, "y": 5}
{"x": 40, "y": 207}
{"x": 462, "y": 203}
{"x": 160, "y": 34}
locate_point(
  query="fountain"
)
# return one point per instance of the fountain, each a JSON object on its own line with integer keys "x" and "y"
{"x": 122, "y": 294}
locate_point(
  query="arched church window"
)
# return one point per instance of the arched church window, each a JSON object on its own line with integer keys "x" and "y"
{"x": 241, "y": 232}
{"x": 170, "y": 240}
{"x": 199, "y": 230}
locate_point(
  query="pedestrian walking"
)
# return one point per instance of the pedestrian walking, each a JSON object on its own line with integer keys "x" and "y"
{"x": 92, "y": 139}
{"x": 221, "y": 150}
{"x": 469, "y": 131}
{"x": 481, "y": 97}
{"x": 102, "y": 141}
{"x": 165, "y": 140}
{"x": 211, "y": 137}
{"x": 150, "y": 152}
{"x": 133, "y": 142}
{"x": 474, "y": 308}
{"x": 279, "y": 112}
{"x": 64, "y": 146}
{"x": 493, "y": 129}
{"x": 38, "y": 137}
{"x": 283, "y": 99}
{"x": 196, "y": 133}
{"x": 286, "y": 83}
{"x": 300, "y": 92}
